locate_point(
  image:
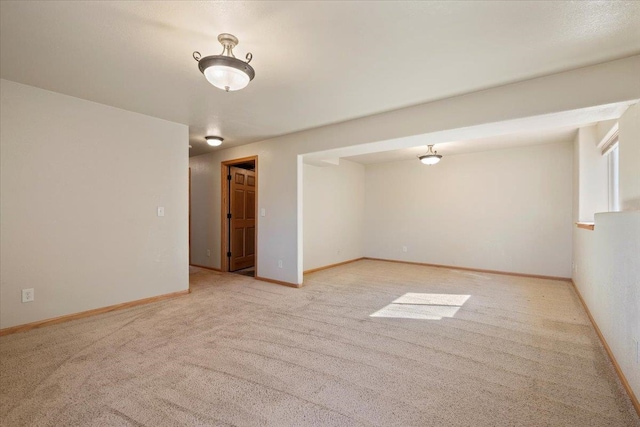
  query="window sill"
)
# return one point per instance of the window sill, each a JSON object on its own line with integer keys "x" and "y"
{"x": 586, "y": 225}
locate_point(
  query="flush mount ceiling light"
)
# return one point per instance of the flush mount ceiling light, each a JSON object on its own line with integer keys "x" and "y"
{"x": 431, "y": 158}
{"x": 225, "y": 71}
{"x": 214, "y": 141}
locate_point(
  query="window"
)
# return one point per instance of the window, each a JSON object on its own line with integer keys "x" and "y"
{"x": 610, "y": 149}
{"x": 614, "y": 194}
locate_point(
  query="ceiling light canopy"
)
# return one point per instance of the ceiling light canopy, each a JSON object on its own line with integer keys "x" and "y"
{"x": 225, "y": 71}
{"x": 214, "y": 141}
{"x": 431, "y": 158}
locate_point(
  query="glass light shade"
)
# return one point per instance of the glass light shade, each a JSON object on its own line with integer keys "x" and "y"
{"x": 226, "y": 78}
{"x": 430, "y": 159}
{"x": 213, "y": 141}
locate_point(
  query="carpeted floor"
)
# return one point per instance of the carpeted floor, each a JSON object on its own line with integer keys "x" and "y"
{"x": 338, "y": 352}
{"x": 249, "y": 272}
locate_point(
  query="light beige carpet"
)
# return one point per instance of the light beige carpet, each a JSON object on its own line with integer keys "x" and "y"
{"x": 515, "y": 352}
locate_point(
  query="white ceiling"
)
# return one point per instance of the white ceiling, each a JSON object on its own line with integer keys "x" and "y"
{"x": 316, "y": 62}
{"x": 537, "y": 137}
{"x": 534, "y": 130}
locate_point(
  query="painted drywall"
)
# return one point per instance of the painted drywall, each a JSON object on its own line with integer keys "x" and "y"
{"x": 607, "y": 274}
{"x": 576, "y": 177}
{"x": 629, "y": 146}
{"x": 506, "y": 210}
{"x": 606, "y": 262}
{"x": 499, "y": 110}
{"x": 80, "y": 187}
{"x": 276, "y": 195}
{"x": 593, "y": 190}
{"x": 333, "y": 212}
{"x": 204, "y": 233}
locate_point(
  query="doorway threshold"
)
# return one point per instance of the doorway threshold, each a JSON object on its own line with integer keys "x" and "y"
{"x": 249, "y": 272}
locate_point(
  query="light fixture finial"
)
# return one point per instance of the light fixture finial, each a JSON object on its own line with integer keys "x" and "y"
{"x": 228, "y": 42}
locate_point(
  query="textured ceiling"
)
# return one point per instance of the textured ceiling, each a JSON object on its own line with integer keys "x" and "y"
{"x": 316, "y": 62}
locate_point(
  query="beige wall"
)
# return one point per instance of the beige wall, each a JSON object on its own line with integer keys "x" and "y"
{"x": 205, "y": 234}
{"x": 333, "y": 213}
{"x": 607, "y": 259}
{"x": 629, "y": 143}
{"x": 593, "y": 175}
{"x": 507, "y": 210}
{"x": 80, "y": 186}
{"x": 277, "y": 190}
{"x": 607, "y": 274}
{"x": 502, "y": 109}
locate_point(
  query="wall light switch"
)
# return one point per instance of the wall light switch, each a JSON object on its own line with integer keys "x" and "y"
{"x": 263, "y": 212}
{"x": 160, "y": 211}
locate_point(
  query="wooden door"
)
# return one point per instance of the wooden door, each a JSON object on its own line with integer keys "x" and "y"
{"x": 242, "y": 224}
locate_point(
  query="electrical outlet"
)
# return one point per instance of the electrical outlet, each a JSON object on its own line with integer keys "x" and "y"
{"x": 208, "y": 252}
{"x": 279, "y": 263}
{"x": 404, "y": 249}
{"x": 28, "y": 295}
{"x": 160, "y": 211}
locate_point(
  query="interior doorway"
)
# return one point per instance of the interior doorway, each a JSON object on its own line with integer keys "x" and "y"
{"x": 239, "y": 216}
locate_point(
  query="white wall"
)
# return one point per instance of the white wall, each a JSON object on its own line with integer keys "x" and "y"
{"x": 506, "y": 210}
{"x": 607, "y": 262}
{"x": 277, "y": 191}
{"x": 497, "y": 109}
{"x": 607, "y": 259}
{"x": 629, "y": 148}
{"x": 333, "y": 213}
{"x": 593, "y": 175}
{"x": 80, "y": 184}
{"x": 205, "y": 234}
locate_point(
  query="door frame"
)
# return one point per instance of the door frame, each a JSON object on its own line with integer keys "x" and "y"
{"x": 189, "y": 215}
{"x": 224, "y": 207}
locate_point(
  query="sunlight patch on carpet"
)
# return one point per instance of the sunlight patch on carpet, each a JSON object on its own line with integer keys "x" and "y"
{"x": 423, "y": 306}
